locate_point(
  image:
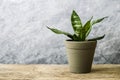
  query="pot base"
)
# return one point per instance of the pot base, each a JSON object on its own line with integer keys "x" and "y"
{"x": 78, "y": 70}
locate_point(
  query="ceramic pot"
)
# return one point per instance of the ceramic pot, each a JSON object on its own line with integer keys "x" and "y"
{"x": 80, "y": 55}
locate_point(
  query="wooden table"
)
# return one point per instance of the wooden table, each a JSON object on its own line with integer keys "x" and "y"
{"x": 57, "y": 72}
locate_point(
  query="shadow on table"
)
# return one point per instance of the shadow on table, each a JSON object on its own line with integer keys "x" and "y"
{"x": 106, "y": 69}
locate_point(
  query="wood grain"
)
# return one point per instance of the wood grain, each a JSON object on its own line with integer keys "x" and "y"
{"x": 57, "y": 72}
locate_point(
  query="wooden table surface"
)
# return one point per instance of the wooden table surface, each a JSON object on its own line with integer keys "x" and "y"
{"x": 57, "y": 72}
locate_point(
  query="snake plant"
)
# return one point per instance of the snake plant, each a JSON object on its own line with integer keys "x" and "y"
{"x": 81, "y": 31}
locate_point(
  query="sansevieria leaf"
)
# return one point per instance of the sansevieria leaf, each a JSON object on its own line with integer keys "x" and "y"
{"x": 76, "y": 38}
{"x": 98, "y": 38}
{"x": 81, "y": 31}
{"x": 76, "y": 22}
{"x": 87, "y": 27}
{"x": 98, "y": 20}
{"x": 60, "y": 32}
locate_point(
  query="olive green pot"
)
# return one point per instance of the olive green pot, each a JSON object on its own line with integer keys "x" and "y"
{"x": 80, "y": 55}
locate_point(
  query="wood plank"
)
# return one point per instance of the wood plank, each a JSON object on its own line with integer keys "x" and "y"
{"x": 57, "y": 72}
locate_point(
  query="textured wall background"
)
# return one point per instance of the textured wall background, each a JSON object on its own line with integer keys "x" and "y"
{"x": 25, "y": 39}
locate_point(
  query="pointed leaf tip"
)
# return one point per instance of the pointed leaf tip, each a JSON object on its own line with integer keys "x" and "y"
{"x": 73, "y": 11}
{"x": 98, "y": 20}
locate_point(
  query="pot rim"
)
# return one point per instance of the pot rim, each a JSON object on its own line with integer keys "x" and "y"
{"x": 71, "y": 41}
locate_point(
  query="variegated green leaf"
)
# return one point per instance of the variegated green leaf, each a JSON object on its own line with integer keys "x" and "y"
{"x": 60, "y": 32}
{"x": 80, "y": 31}
{"x": 98, "y": 38}
{"x": 76, "y": 22}
{"x": 87, "y": 27}
{"x": 75, "y": 37}
{"x": 98, "y": 20}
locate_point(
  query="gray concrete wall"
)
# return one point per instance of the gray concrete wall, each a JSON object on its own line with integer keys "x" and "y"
{"x": 24, "y": 38}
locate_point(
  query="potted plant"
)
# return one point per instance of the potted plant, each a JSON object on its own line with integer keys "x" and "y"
{"x": 80, "y": 50}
